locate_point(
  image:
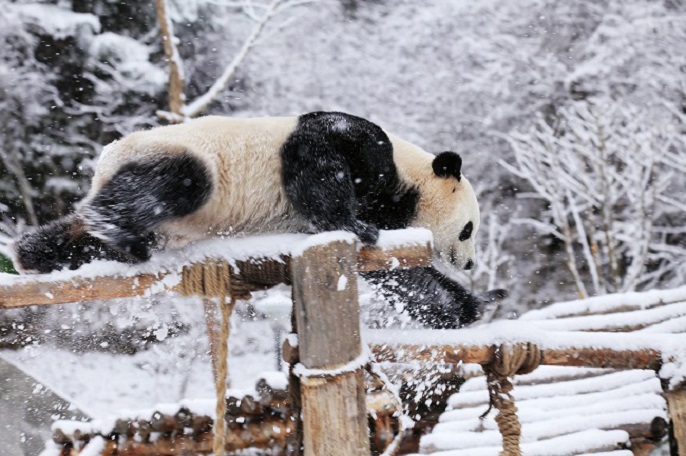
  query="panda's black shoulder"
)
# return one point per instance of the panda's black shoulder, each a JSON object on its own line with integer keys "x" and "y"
{"x": 361, "y": 154}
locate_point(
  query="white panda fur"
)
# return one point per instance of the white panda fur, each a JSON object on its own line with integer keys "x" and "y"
{"x": 239, "y": 154}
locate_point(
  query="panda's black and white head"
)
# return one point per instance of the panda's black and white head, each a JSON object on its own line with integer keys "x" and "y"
{"x": 449, "y": 208}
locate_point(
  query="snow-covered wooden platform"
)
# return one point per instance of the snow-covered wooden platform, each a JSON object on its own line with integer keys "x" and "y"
{"x": 248, "y": 257}
{"x": 328, "y": 374}
{"x": 577, "y": 410}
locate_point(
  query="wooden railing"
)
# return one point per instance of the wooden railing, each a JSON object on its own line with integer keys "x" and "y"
{"x": 327, "y": 380}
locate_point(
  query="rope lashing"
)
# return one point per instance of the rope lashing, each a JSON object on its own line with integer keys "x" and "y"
{"x": 509, "y": 360}
{"x": 215, "y": 279}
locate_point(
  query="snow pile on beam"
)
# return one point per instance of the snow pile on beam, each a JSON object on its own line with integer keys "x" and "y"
{"x": 265, "y": 247}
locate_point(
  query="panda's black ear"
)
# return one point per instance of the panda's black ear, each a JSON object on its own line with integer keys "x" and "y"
{"x": 447, "y": 164}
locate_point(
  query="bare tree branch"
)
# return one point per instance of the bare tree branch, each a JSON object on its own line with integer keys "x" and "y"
{"x": 171, "y": 52}
{"x": 202, "y": 102}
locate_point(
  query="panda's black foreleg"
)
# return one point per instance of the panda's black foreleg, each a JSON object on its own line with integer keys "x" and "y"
{"x": 143, "y": 194}
{"x": 429, "y": 297}
{"x": 318, "y": 182}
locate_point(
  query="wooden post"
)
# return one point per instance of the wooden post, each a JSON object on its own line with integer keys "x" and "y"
{"x": 676, "y": 402}
{"x": 327, "y": 313}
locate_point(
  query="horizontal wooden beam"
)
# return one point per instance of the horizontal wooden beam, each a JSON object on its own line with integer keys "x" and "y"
{"x": 30, "y": 290}
{"x": 483, "y": 354}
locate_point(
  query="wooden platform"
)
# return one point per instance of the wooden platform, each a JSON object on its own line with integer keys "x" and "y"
{"x": 574, "y": 410}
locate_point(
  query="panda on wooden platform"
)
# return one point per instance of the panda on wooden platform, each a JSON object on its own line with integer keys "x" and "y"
{"x": 317, "y": 172}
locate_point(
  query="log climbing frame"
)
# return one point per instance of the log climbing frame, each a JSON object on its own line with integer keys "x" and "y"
{"x": 327, "y": 357}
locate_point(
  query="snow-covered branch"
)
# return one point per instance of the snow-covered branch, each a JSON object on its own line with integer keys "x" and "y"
{"x": 202, "y": 102}
{"x": 605, "y": 174}
{"x": 179, "y": 110}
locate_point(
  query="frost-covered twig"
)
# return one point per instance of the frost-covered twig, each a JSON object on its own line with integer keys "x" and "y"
{"x": 179, "y": 110}
{"x": 202, "y": 102}
{"x": 608, "y": 176}
{"x": 13, "y": 165}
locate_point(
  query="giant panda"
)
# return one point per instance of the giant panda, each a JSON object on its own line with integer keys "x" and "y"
{"x": 316, "y": 172}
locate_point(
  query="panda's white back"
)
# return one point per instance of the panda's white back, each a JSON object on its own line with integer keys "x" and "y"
{"x": 242, "y": 156}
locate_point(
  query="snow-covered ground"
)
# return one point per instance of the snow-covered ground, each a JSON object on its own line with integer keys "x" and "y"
{"x": 102, "y": 384}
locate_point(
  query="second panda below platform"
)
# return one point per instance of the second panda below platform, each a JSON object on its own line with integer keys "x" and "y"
{"x": 317, "y": 172}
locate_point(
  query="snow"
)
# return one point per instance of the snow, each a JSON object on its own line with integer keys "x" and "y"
{"x": 276, "y": 380}
{"x": 607, "y": 303}
{"x": 94, "y": 447}
{"x": 177, "y": 371}
{"x": 131, "y": 59}
{"x": 342, "y": 283}
{"x": 567, "y": 445}
{"x": 564, "y": 410}
{"x": 611, "y": 321}
{"x": 51, "y": 449}
{"x": 351, "y": 366}
{"x": 514, "y": 332}
{"x": 406, "y": 237}
{"x": 327, "y": 237}
{"x": 273, "y": 247}
{"x": 56, "y": 21}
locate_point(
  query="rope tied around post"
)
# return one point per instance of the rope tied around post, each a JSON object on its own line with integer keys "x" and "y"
{"x": 211, "y": 280}
{"x": 509, "y": 360}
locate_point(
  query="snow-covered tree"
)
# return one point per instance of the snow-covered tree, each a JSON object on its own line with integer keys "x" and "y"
{"x": 605, "y": 174}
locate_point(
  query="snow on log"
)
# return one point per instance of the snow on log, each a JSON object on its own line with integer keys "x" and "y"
{"x": 249, "y": 257}
{"x": 607, "y": 350}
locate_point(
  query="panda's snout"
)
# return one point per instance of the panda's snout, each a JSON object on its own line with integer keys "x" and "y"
{"x": 469, "y": 265}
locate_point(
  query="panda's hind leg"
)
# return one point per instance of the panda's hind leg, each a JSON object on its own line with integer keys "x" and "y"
{"x": 142, "y": 195}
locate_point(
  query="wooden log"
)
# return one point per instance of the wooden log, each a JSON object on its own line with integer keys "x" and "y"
{"x": 676, "y": 402}
{"x": 26, "y": 290}
{"x": 268, "y": 396}
{"x": 251, "y": 407}
{"x": 60, "y": 438}
{"x": 327, "y": 312}
{"x": 640, "y": 432}
{"x": 233, "y": 405}
{"x": 166, "y": 424}
{"x": 580, "y": 357}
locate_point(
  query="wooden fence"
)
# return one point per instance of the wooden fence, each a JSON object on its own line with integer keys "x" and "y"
{"x": 327, "y": 362}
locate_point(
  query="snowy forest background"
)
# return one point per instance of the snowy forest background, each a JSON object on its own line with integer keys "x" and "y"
{"x": 570, "y": 118}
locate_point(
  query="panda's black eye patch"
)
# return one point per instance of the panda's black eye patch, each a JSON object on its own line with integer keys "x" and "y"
{"x": 466, "y": 231}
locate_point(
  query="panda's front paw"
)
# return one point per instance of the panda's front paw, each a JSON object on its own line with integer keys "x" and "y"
{"x": 367, "y": 233}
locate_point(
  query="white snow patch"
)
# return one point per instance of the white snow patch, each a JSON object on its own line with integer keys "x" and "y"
{"x": 389, "y": 239}
{"x": 292, "y": 340}
{"x": 342, "y": 283}
{"x": 359, "y": 362}
{"x": 275, "y": 379}
{"x": 56, "y": 21}
{"x": 94, "y": 447}
{"x": 323, "y": 239}
{"x": 131, "y": 59}
{"x": 606, "y": 303}
{"x": 512, "y": 332}
{"x": 51, "y": 449}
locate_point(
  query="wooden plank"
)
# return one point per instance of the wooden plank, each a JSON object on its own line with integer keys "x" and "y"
{"x": 580, "y": 357}
{"x": 35, "y": 290}
{"x": 327, "y": 313}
